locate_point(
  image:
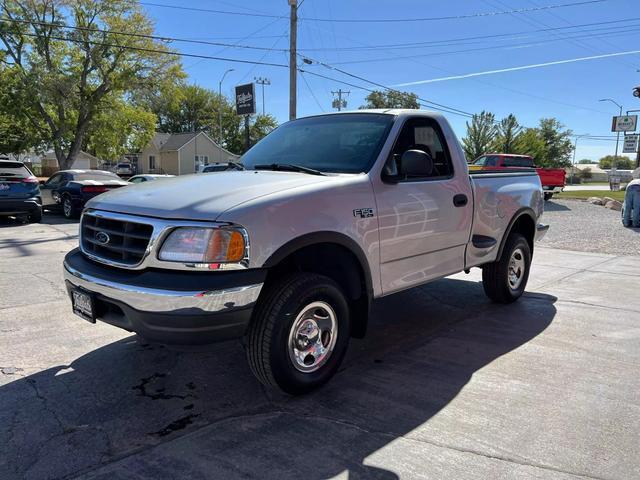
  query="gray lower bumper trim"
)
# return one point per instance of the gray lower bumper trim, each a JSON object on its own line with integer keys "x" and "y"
{"x": 166, "y": 301}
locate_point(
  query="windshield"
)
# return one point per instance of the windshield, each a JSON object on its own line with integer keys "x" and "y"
{"x": 347, "y": 143}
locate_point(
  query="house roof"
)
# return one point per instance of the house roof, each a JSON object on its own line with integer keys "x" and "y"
{"x": 171, "y": 142}
{"x": 177, "y": 141}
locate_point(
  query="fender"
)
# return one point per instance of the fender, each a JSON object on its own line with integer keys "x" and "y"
{"x": 523, "y": 211}
{"x": 325, "y": 237}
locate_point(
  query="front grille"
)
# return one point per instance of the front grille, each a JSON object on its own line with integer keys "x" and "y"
{"x": 126, "y": 242}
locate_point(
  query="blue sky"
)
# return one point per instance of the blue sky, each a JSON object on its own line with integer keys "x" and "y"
{"x": 475, "y": 43}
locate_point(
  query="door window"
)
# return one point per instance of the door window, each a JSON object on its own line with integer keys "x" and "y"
{"x": 423, "y": 134}
{"x": 524, "y": 162}
{"x": 54, "y": 181}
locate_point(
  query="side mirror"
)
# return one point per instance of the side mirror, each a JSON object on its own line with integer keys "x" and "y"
{"x": 416, "y": 163}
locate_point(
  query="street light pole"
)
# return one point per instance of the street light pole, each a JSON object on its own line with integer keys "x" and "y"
{"x": 573, "y": 162}
{"x": 615, "y": 157}
{"x": 220, "y": 106}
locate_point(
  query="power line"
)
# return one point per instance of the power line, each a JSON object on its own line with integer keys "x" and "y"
{"x": 382, "y": 20}
{"x": 152, "y": 50}
{"x": 461, "y": 40}
{"x": 310, "y": 90}
{"x": 501, "y": 47}
{"x": 139, "y": 35}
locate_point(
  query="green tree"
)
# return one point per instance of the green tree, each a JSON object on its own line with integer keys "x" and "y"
{"x": 622, "y": 163}
{"x": 586, "y": 161}
{"x": 481, "y": 135}
{"x": 119, "y": 127}
{"x": 507, "y": 132}
{"x": 530, "y": 142}
{"x": 17, "y": 133}
{"x": 66, "y": 75}
{"x": 558, "y": 146}
{"x": 585, "y": 173}
{"x": 194, "y": 108}
{"x": 391, "y": 99}
{"x": 260, "y": 126}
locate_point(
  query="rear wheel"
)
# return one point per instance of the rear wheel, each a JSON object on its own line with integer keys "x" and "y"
{"x": 505, "y": 279}
{"x": 547, "y": 196}
{"x": 35, "y": 216}
{"x": 68, "y": 209}
{"x": 299, "y": 333}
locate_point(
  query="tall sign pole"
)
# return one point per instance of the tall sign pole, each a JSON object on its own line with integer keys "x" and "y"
{"x": 262, "y": 81}
{"x": 293, "y": 74}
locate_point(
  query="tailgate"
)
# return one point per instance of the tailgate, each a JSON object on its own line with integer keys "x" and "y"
{"x": 551, "y": 176}
{"x": 17, "y": 187}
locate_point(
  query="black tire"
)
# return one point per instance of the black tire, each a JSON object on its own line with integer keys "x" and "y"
{"x": 35, "y": 216}
{"x": 268, "y": 338}
{"x": 548, "y": 196}
{"x": 68, "y": 209}
{"x": 496, "y": 276}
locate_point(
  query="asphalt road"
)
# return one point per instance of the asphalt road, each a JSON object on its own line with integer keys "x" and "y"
{"x": 446, "y": 385}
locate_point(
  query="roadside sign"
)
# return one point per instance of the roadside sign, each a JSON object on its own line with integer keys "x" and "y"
{"x": 630, "y": 143}
{"x": 624, "y": 123}
{"x": 245, "y": 99}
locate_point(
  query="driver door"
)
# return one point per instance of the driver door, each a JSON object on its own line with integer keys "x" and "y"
{"x": 49, "y": 188}
{"x": 424, "y": 222}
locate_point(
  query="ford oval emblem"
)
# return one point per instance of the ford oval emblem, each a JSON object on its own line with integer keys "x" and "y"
{"x": 102, "y": 238}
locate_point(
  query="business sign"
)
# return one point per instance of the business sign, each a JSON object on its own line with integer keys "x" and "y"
{"x": 245, "y": 99}
{"x": 624, "y": 123}
{"x": 630, "y": 144}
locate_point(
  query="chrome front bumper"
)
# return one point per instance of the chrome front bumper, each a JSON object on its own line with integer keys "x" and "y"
{"x": 155, "y": 300}
{"x": 177, "y": 307}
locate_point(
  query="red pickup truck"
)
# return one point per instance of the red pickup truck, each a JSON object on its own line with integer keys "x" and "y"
{"x": 552, "y": 179}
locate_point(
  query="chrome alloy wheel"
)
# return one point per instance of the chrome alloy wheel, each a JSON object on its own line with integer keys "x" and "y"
{"x": 312, "y": 337}
{"x": 67, "y": 207}
{"x": 516, "y": 269}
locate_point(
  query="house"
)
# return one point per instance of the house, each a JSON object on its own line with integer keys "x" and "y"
{"x": 180, "y": 153}
{"x": 49, "y": 163}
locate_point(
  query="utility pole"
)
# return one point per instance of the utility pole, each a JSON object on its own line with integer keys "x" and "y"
{"x": 262, "y": 81}
{"x": 220, "y": 106}
{"x": 615, "y": 157}
{"x": 339, "y": 103}
{"x": 293, "y": 73}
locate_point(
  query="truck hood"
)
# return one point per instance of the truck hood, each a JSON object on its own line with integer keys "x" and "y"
{"x": 200, "y": 196}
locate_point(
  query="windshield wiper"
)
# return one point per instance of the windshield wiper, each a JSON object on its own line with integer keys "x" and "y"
{"x": 288, "y": 167}
{"x": 236, "y": 165}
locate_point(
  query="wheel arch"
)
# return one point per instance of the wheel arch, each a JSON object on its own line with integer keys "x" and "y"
{"x": 336, "y": 256}
{"x": 522, "y": 222}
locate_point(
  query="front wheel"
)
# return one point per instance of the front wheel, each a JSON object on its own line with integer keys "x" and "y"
{"x": 299, "y": 333}
{"x": 505, "y": 279}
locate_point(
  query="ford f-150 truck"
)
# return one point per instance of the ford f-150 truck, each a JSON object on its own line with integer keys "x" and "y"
{"x": 552, "y": 179}
{"x": 330, "y": 213}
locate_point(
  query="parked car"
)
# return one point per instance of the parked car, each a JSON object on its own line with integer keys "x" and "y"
{"x": 220, "y": 167}
{"x": 124, "y": 169}
{"x": 68, "y": 190}
{"x": 552, "y": 179}
{"x": 148, "y": 177}
{"x": 19, "y": 192}
{"x": 331, "y": 213}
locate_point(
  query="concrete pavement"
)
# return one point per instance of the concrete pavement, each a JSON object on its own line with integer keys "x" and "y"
{"x": 446, "y": 385}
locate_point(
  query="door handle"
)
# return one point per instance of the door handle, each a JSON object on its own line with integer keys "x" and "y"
{"x": 460, "y": 200}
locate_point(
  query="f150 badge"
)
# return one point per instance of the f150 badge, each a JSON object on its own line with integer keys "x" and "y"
{"x": 363, "y": 212}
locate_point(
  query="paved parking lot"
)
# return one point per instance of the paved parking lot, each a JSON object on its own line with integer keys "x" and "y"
{"x": 446, "y": 385}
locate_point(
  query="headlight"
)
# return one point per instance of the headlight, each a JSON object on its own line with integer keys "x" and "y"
{"x": 204, "y": 246}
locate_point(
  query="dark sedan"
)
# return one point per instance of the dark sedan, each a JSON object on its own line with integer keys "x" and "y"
{"x": 19, "y": 192}
{"x": 68, "y": 190}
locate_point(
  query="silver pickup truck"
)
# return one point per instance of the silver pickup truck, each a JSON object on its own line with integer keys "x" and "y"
{"x": 290, "y": 249}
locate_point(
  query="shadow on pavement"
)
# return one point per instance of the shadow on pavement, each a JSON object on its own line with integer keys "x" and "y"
{"x": 47, "y": 219}
{"x": 551, "y": 206}
{"x": 422, "y": 348}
